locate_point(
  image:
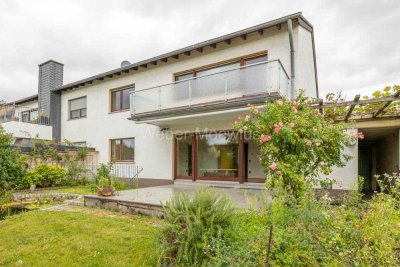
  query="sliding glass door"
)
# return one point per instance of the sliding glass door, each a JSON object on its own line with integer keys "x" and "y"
{"x": 217, "y": 156}
{"x": 211, "y": 156}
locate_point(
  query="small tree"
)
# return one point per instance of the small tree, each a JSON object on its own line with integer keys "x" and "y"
{"x": 12, "y": 164}
{"x": 296, "y": 142}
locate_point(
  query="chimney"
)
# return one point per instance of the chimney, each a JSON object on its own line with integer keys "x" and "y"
{"x": 51, "y": 77}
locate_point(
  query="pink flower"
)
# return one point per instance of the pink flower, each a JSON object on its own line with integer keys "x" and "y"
{"x": 278, "y": 172}
{"x": 240, "y": 130}
{"x": 265, "y": 138}
{"x": 309, "y": 143}
{"x": 361, "y": 135}
{"x": 255, "y": 111}
{"x": 354, "y": 135}
{"x": 278, "y": 127}
{"x": 247, "y": 118}
{"x": 291, "y": 125}
{"x": 318, "y": 144}
{"x": 294, "y": 110}
{"x": 272, "y": 166}
{"x": 245, "y": 128}
{"x": 249, "y": 105}
{"x": 279, "y": 102}
{"x": 294, "y": 103}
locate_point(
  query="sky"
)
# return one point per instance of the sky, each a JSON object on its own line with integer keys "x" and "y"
{"x": 357, "y": 42}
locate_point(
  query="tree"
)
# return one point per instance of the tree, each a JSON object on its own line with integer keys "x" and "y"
{"x": 12, "y": 164}
{"x": 296, "y": 142}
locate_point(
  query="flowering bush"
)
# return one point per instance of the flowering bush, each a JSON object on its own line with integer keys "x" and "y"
{"x": 295, "y": 142}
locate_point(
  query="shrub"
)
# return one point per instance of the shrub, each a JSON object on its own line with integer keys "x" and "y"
{"x": 45, "y": 175}
{"x": 193, "y": 226}
{"x": 12, "y": 163}
{"x": 296, "y": 142}
{"x": 315, "y": 233}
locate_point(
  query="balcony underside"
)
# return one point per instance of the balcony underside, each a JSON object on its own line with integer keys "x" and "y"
{"x": 234, "y": 103}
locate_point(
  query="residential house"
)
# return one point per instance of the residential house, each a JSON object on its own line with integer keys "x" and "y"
{"x": 173, "y": 114}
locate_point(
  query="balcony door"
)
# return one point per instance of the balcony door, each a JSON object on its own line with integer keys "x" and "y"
{"x": 210, "y": 156}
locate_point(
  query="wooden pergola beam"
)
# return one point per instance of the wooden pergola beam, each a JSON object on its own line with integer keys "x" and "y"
{"x": 351, "y": 108}
{"x": 360, "y": 102}
{"x": 379, "y": 111}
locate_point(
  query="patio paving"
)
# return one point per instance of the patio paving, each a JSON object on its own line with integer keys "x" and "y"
{"x": 243, "y": 196}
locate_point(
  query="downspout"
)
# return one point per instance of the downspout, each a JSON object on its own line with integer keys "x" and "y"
{"x": 292, "y": 75}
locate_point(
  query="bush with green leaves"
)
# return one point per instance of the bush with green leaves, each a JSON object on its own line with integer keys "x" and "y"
{"x": 315, "y": 233}
{"x": 12, "y": 163}
{"x": 45, "y": 175}
{"x": 296, "y": 143}
{"x": 193, "y": 225}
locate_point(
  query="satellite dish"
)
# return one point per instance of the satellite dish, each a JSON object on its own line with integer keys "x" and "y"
{"x": 125, "y": 63}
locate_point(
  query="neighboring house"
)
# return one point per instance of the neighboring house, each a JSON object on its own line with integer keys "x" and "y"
{"x": 173, "y": 114}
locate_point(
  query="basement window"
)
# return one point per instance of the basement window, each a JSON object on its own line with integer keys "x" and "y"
{"x": 77, "y": 108}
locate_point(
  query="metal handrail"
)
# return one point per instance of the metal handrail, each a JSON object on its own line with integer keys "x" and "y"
{"x": 212, "y": 74}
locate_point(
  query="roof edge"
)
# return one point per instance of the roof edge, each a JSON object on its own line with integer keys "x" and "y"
{"x": 186, "y": 49}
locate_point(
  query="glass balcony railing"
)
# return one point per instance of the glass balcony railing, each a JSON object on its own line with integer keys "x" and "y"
{"x": 243, "y": 84}
{"x": 25, "y": 114}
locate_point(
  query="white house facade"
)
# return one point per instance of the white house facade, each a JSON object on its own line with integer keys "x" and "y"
{"x": 199, "y": 89}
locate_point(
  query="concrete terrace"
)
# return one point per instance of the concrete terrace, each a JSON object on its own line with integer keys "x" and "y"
{"x": 149, "y": 200}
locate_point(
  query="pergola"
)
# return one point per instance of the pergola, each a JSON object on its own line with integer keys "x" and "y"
{"x": 372, "y": 108}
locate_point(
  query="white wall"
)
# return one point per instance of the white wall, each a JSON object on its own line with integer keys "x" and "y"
{"x": 28, "y": 130}
{"x": 154, "y": 154}
{"x": 347, "y": 177}
{"x": 304, "y": 63}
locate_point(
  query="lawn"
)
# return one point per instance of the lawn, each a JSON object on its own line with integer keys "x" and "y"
{"x": 80, "y": 190}
{"x": 81, "y": 237}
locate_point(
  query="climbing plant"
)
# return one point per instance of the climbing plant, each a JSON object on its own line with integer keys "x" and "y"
{"x": 296, "y": 142}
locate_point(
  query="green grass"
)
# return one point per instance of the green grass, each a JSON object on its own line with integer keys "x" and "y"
{"x": 80, "y": 190}
{"x": 76, "y": 238}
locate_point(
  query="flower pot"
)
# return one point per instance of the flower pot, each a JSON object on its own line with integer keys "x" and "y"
{"x": 106, "y": 191}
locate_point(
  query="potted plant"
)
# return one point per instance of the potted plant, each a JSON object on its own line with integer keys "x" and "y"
{"x": 106, "y": 187}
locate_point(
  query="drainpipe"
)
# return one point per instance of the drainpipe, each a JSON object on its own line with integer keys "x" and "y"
{"x": 292, "y": 75}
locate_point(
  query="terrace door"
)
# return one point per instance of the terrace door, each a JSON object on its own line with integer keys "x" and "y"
{"x": 184, "y": 157}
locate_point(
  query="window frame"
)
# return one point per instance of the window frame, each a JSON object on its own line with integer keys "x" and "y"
{"x": 121, "y": 150}
{"x": 241, "y": 60}
{"x": 80, "y": 110}
{"x": 121, "y": 97}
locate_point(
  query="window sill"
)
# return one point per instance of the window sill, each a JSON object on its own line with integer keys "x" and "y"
{"x": 76, "y": 119}
{"x": 118, "y": 111}
{"x": 123, "y": 162}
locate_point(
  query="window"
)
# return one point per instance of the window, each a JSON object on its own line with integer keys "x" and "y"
{"x": 223, "y": 66}
{"x": 218, "y": 155}
{"x": 120, "y": 99}
{"x": 255, "y": 60}
{"x": 29, "y": 115}
{"x": 77, "y": 108}
{"x": 123, "y": 149}
{"x": 80, "y": 144}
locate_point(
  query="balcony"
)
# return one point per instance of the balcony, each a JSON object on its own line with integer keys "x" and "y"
{"x": 25, "y": 122}
{"x": 24, "y": 114}
{"x": 218, "y": 91}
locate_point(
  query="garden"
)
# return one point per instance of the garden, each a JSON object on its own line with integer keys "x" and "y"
{"x": 296, "y": 227}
